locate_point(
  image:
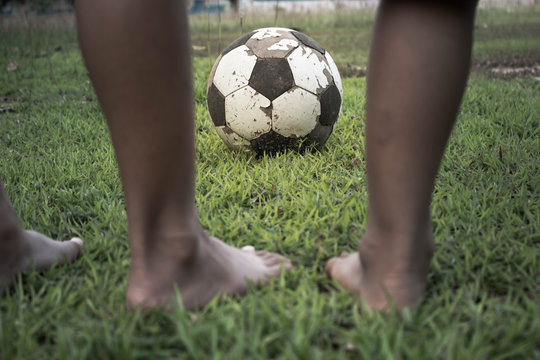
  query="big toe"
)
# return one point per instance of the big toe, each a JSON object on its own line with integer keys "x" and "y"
{"x": 272, "y": 259}
{"x": 330, "y": 266}
{"x": 67, "y": 251}
{"x": 72, "y": 248}
{"x": 334, "y": 264}
{"x": 269, "y": 259}
{"x": 346, "y": 270}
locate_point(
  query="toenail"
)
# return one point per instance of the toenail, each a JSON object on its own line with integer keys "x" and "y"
{"x": 78, "y": 241}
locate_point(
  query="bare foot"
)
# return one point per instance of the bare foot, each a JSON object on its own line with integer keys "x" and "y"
{"x": 214, "y": 269}
{"x": 26, "y": 250}
{"x": 385, "y": 276}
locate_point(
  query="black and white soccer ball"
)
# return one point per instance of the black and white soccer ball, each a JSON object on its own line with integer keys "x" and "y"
{"x": 274, "y": 89}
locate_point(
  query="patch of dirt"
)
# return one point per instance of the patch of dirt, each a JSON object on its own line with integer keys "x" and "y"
{"x": 501, "y": 68}
{"x": 509, "y": 67}
{"x": 351, "y": 70}
{"x": 525, "y": 70}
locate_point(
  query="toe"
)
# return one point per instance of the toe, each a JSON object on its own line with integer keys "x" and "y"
{"x": 64, "y": 251}
{"x": 73, "y": 248}
{"x": 78, "y": 241}
{"x": 278, "y": 267}
{"x": 330, "y": 265}
{"x": 248, "y": 248}
{"x": 271, "y": 259}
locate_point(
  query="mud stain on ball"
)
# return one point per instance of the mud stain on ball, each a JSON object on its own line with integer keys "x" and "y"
{"x": 277, "y": 46}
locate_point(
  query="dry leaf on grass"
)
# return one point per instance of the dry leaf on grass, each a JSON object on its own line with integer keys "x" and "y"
{"x": 12, "y": 66}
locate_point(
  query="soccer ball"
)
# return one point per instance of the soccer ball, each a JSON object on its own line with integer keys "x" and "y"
{"x": 274, "y": 89}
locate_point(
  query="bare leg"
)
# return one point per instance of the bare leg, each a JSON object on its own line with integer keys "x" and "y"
{"x": 138, "y": 56}
{"x": 22, "y": 250}
{"x": 417, "y": 73}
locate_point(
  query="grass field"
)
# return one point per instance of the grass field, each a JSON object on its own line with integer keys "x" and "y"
{"x": 58, "y": 167}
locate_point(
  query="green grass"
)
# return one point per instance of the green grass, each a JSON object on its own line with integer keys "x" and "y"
{"x": 59, "y": 170}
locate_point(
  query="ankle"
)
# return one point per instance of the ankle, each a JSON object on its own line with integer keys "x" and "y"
{"x": 180, "y": 247}
{"x": 385, "y": 254}
{"x": 167, "y": 250}
{"x": 395, "y": 269}
{"x": 10, "y": 231}
{"x": 12, "y": 248}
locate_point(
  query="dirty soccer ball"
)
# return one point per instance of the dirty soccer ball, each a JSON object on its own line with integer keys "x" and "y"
{"x": 274, "y": 89}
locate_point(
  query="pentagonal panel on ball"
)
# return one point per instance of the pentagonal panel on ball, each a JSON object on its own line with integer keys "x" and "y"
{"x": 271, "y": 77}
{"x": 330, "y": 106}
{"x": 234, "y": 70}
{"x": 295, "y": 113}
{"x": 248, "y": 113}
{"x": 335, "y": 73}
{"x": 216, "y": 105}
{"x": 236, "y": 43}
{"x": 310, "y": 69}
{"x": 306, "y": 40}
{"x": 319, "y": 135}
{"x": 272, "y": 42}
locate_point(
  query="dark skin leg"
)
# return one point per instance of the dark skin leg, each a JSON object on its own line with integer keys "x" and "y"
{"x": 138, "y": 56}
{"x": 406, "y": 139}
{"x": 417, "y": 72}
{"x": 22, "y": 250}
